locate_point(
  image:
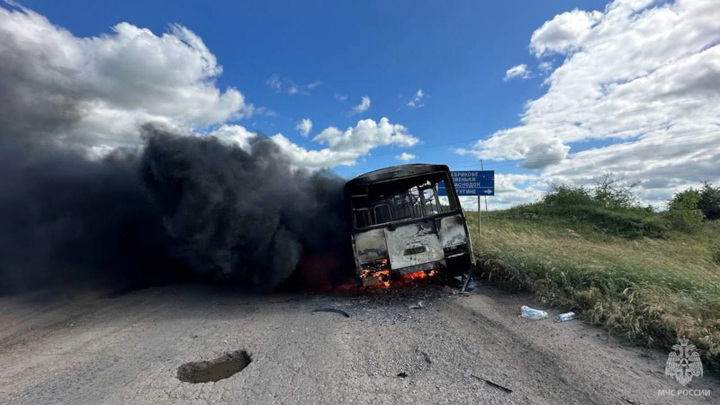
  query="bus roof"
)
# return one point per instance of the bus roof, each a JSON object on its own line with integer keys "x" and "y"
{"x": 396, "y": 172}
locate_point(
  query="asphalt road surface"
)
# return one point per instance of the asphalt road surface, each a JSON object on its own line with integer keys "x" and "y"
{"x": 84, "y": 347}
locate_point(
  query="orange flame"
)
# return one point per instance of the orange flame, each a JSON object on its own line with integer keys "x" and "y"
{"x": 402, "y": 280}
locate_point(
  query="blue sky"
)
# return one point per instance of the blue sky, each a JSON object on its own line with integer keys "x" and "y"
{"x": 544, "y": 92}
{"x": 456, "y": 52}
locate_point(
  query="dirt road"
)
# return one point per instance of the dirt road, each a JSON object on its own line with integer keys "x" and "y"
{"x": 86, "y": 348}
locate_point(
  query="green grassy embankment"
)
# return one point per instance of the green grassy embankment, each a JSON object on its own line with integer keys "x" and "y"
{"x": 650, "y": 286}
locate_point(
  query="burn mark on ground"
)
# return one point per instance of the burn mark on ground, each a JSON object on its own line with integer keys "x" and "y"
{"x": 337, "y": 311}
{"x": 214, "y": 370}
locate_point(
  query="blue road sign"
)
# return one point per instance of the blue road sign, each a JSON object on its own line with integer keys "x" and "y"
{"x": 479, "y": 182}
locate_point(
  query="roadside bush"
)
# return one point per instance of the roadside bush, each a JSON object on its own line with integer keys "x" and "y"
{"x": 687, "y": 221}
{"x": 607, "y": 208}
{"x": 609, "y": 193}
{"x": 613, "y": 209}
{"x": 562, "y": 196}
{"x": 682, "y": 214}
{"x": 706, "y": 200}
{"x": 685, "y": 200}
{"x": 709, "y": 202}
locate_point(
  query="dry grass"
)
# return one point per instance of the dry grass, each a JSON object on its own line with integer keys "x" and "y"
{"x": 648, "y": 290}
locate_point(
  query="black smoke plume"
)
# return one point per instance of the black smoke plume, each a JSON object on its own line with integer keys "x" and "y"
{"x": 247, "y": 215}
{"x": 184, "y": 206}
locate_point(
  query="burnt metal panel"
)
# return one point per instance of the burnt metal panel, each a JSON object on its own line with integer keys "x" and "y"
{"x": 370, "y": 246}
{"x": 413, "y": 244}
{"x": 452, "y": 231}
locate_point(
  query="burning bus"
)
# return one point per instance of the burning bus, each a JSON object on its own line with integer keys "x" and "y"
{"x": 402, "y": 228}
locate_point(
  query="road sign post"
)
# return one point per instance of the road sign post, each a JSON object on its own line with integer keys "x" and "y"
{"x": 479, "y": 210}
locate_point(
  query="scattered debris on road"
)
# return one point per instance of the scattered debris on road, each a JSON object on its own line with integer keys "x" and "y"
{"x": 402, "y": 375}
{"x": 333, "y": 310}
{"x": 492, "y": 384}
{"x": 568, "y": 316}
{"x": 419, "y": 305}
{"x": 531, "y": 313}
{"x": 214, "y": 370}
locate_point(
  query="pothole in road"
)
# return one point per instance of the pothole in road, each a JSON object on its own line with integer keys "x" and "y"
{"x": 214, "y": 370}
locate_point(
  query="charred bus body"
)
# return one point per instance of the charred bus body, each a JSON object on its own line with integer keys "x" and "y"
{"x": 402, "y": 226}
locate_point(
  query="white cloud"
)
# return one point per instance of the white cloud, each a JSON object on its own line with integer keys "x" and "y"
{"x": 545, "y": 154}
{"x": 405, "y": 156}
{"x": 513, "y": 189}
{"x": 304, "y": 126}
{"x": 339, "y": 96}
{"x": 275, "y": 83}
{"x": 234, "y": 134}
{"x": 120, "y": 80}
{"x": 345, "y": 147}
{"x": 519, "y": 71}
{"x": 264, "y": 111}
{"x": 363, "y": 106}
{"x": 564, "y": 33}
{"x": 419, "y": 99}
{"x": 643, "y": 78}
{"x": 365, "y": 135}
{"x": 284, "y": 85}
{"x": 545, "y": 66}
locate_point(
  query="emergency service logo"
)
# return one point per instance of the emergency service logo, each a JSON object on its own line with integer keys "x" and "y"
{"x": 684, "y": 362}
